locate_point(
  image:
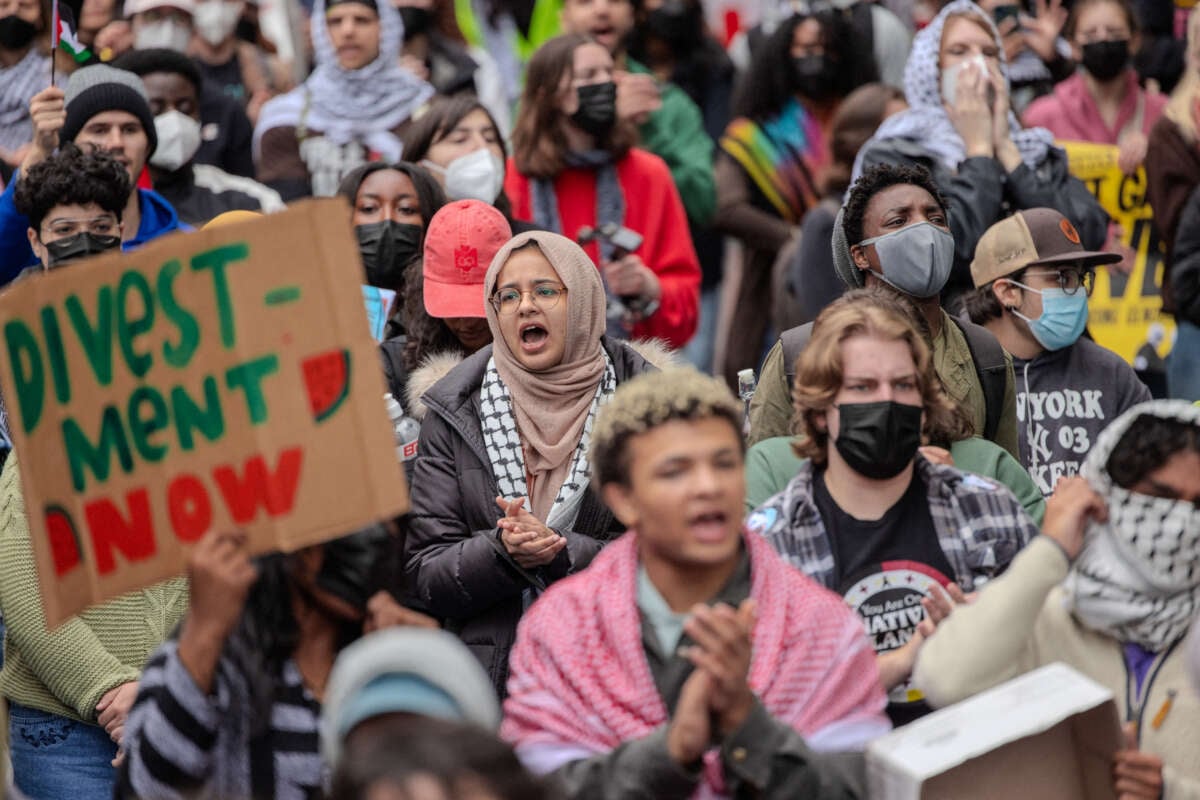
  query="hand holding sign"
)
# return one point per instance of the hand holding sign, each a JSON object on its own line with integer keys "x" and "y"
{"x": 220, "y": 574}
{"x": 1131, "y": 151}
{"x": 194, "y": 385}
{"x": 1136, "y": 775}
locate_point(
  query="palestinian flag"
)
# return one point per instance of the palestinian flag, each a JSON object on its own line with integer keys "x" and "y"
{"x": 65, "y": 38}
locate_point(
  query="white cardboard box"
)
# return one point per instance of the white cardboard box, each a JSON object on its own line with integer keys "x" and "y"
{"x": 1048, "y": 735}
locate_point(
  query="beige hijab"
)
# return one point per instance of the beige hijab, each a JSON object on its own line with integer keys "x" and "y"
{"x": 551, "y": 407}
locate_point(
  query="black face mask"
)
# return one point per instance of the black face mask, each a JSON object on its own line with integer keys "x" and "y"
{"x": 1105, "y": 60}
{"x": 350, "y": 564}
{"x": 597, "y": 112}
{"x": 675, "y": 22}
{"x": 80, "y": 245}
{"x": 812, "y": 77}
{"x": 387, "y": 248}
{"x": 878, "y": 440}
{"x": 416, "y": 20}
{"x": 16, "y": 33}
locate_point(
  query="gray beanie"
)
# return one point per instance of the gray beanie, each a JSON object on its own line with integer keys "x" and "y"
{"x": 411, "y": 670}
{"x": 847, "y": 270}
{"x": 99, "y": 88}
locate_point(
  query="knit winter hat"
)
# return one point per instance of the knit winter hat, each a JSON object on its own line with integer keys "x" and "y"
{"x": 410, "y": 670}
{"x": 847, "y": 270}
{"x": 99, "y": 88}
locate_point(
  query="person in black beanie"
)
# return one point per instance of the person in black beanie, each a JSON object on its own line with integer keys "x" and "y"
{"x": 198, "y": 191}
{"x": 102, "y": 109}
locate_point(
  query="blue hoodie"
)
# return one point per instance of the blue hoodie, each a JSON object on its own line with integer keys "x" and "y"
{"x": 158, "y": 218}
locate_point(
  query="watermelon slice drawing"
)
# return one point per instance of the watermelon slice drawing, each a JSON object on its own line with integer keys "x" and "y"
{"x": 65, "y": 546}
{"x": 327, "y": 379}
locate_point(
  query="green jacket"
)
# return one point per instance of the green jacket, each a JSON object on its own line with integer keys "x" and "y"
{"x": 771, "y": 407}
{"x": 770, "y": 464}
{"x": 67, "y": 670}
{"x": 675, "y": 133}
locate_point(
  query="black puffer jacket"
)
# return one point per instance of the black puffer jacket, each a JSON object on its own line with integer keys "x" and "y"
{"x": 981, "y": 194}
{"x": 1185, "y": 271}
{"x": 454, "y": 559}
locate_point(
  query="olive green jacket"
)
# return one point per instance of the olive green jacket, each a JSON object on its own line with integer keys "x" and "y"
{"x": 771, "y": 407}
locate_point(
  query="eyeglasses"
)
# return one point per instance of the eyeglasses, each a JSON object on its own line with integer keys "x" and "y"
{"x": 545, "y": 296}
{"x": 1070, "y": 280}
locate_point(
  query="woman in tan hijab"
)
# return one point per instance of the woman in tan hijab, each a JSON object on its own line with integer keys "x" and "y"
{"x": 501, "y": 500}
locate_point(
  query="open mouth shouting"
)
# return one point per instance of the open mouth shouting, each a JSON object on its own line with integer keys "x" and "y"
{"x": 534, "y": 337}
{"x": 605, "y": 34}
{"x": 709, "y": 527}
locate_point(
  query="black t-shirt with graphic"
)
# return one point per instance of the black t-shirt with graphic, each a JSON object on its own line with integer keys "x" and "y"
{"x": 884, "y": 568}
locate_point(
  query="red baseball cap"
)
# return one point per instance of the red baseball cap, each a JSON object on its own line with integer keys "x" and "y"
{"x": 460, "y": 243}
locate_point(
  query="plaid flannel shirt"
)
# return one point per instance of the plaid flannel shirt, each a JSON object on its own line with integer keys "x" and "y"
{"x": 979, "y": 524}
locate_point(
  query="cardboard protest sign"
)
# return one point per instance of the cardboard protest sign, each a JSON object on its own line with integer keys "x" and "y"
{"x": 217, "y": 379}
{"x": 1124, "y": 311}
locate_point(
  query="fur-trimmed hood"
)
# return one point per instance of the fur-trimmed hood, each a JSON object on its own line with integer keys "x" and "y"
{"x": 435, "y": 367}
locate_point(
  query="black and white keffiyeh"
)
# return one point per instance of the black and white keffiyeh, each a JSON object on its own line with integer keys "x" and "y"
{"x": 503, "y": 443}
{"x": 926, "y": 121}
{"x": 1138, "y": 575}
{"x": 361, "y": 105}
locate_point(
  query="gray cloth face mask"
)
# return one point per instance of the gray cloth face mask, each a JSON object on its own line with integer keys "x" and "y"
{"x": 916, "y": 259}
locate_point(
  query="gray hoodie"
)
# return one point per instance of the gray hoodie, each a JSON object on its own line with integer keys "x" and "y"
{"x": 1064, "y": 399}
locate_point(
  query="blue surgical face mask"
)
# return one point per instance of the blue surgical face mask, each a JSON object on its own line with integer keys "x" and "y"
{"x": 1064, "y": 316}
{"x": 916, "y": 259}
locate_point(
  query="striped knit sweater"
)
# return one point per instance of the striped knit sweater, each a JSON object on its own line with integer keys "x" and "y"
{"x": 183, "y": 743}
{"x": 66, "y": 671}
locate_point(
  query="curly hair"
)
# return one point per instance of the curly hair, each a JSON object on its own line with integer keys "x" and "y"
{"x": 72, "y": 177}
{"x": 648, "y": 401}
{"x": 767, "y": 86}
{"x": 875, "y": 180}
{"x": 424, "y": 335}
{"x": 819, "y": 370}
{"x": 159, "y": 59}
{"x": 1147, "y": 445}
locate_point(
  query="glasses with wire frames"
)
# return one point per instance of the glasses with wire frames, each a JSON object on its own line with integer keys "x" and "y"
{"x": 544, "y": 295}
{"x": 1070, "y": 280}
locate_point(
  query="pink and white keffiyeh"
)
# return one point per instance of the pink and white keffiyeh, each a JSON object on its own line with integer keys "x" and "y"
{"x": 580, "y": 684}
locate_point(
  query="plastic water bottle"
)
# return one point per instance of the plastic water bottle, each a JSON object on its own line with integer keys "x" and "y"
{"x": 405, "y": 429}
{"x": 746, "y": 387}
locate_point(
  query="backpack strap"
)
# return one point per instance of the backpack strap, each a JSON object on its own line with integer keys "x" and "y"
{"x": 992, "y": 369}
{"x": 794, "y": 340}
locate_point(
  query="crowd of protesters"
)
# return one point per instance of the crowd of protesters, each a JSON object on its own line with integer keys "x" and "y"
{"x": 618, "y": 578}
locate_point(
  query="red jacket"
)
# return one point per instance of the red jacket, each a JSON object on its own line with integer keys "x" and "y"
{"x": 653, "y": 209}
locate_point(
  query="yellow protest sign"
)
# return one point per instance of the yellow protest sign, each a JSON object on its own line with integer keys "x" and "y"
{"x": 210, "y": 380}
{"x": 1125, "y": 312}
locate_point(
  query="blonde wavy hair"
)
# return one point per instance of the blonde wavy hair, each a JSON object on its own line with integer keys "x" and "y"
{"x": 1187, "y": 91}
{"x": 648, "y": 401}
{"x": 879, "y": 314}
